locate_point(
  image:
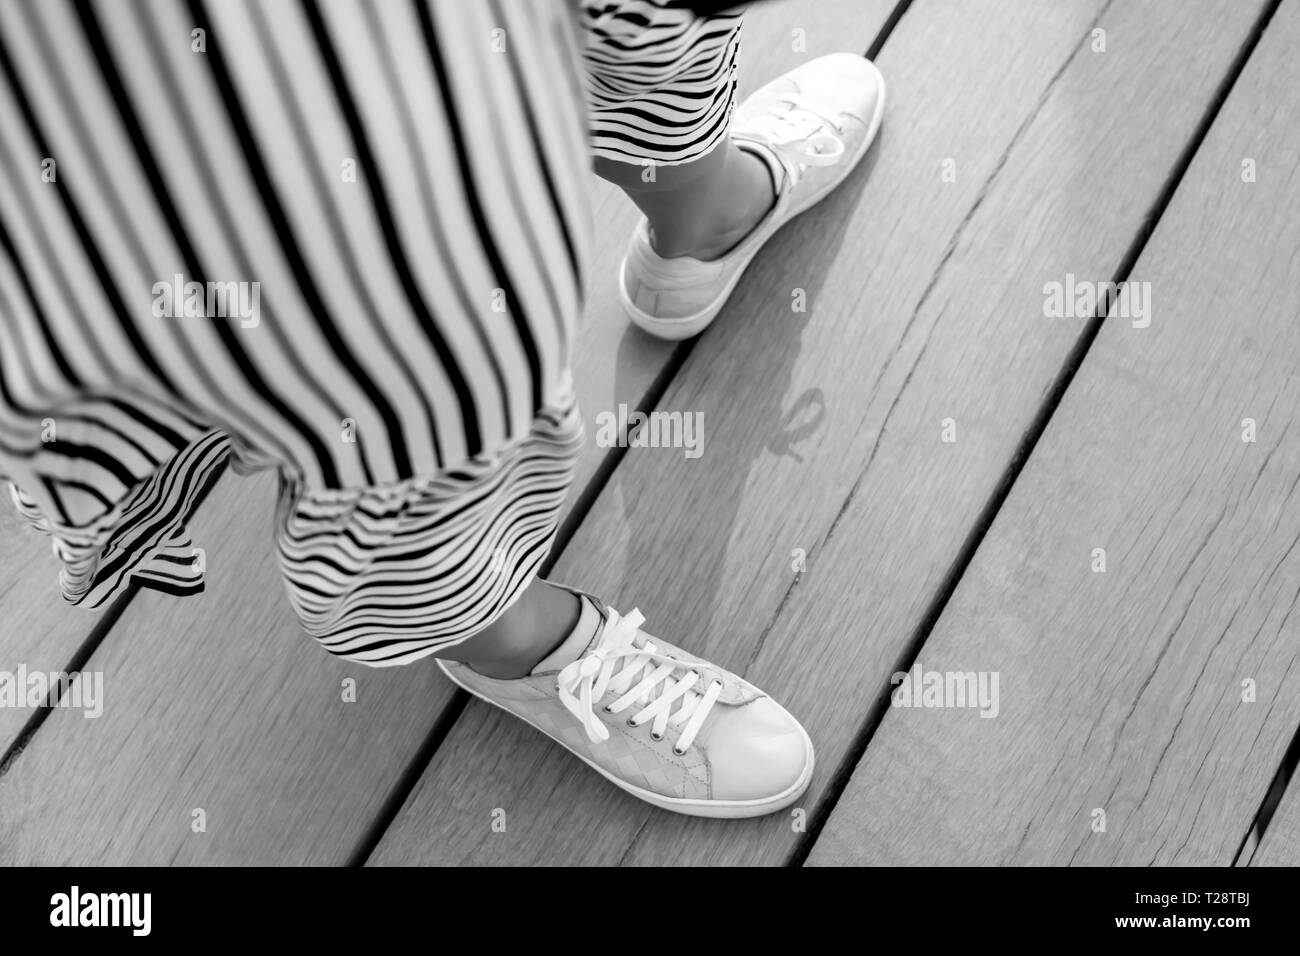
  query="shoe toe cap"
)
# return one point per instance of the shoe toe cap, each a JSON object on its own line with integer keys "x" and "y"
{"x": 847, "y": 83}
{"x": 757, "y": 751}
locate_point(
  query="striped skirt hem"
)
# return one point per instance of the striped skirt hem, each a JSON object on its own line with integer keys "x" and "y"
{"x": 661, "y": 82}
{"x": 382, "y": 575}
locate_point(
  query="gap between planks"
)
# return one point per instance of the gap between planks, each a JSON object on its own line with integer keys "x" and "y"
{"x": 1173, "y": 150}
{"x": 568, "y": 528}
{"x": 96, "y": 636}
{"x": 1051, "y": 402}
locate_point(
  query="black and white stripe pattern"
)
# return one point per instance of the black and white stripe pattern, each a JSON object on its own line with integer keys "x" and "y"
{"x": 661, "y": 81}
{"x": 144, "y": 536}
{"x": 406, "y": 182}
{"x": 385, "y": 575}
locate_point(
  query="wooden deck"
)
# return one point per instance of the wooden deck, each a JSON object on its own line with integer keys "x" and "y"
{"x": 954, "y": 465}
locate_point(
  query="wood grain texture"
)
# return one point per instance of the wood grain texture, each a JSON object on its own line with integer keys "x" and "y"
{"x": 221, "y": 702}
{"x": 1124, "y": 691}
{"x": 822, "y": 430}
{"x": 614, "y": 361}
{"x": 217, "y": 702}
{"x": 1281, "y": 843}
{"x": 39, "y": 631}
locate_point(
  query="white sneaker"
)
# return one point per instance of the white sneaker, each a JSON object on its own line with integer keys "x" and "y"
{"x": 811, "y": 126}
{"x": 664, "y": 725}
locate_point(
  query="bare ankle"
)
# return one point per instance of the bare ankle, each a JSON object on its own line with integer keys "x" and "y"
{"x": 499, "y": 671}
{"x": 727, "y": 220}
{"x": 512, "y": 645}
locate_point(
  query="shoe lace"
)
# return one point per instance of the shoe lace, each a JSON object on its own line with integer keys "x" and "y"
{"x": 643, "y": 676}
{"x": 804, "y": 133}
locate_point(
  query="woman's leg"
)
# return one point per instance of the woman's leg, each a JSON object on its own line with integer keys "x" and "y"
{"x": 666, "y": 148}
{"x": 532, "y": 627}
{"x": 661, "y": 96}
{"x": 701, "y": 208}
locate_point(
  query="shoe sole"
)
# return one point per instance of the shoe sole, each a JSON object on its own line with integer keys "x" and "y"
{"x": 684, "y": 328}
{"x": 717, "y": 809}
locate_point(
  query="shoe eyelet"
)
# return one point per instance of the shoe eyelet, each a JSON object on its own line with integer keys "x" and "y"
{"x": 655, "y": 736}
{"x": 632, "y": 723}
{"x": 680, "y": 753}
{"x": 606, "y": 709}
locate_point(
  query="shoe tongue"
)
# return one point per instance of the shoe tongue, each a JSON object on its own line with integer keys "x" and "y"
{"x": 576, "y": 644}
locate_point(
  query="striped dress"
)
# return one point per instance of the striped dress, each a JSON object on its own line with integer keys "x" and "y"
{"x": 344, "y": 240}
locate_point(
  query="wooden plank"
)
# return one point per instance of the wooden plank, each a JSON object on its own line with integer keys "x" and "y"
{"x": 220, "y": 704}
{"x": 223, "y": 704}
{"x": 1280, "y": 845}
{"x": 38, "y": 630}
{"x": 822, "y": 432}
{"x": 615, "y": 362}
{"x": 1125, "y": 691}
